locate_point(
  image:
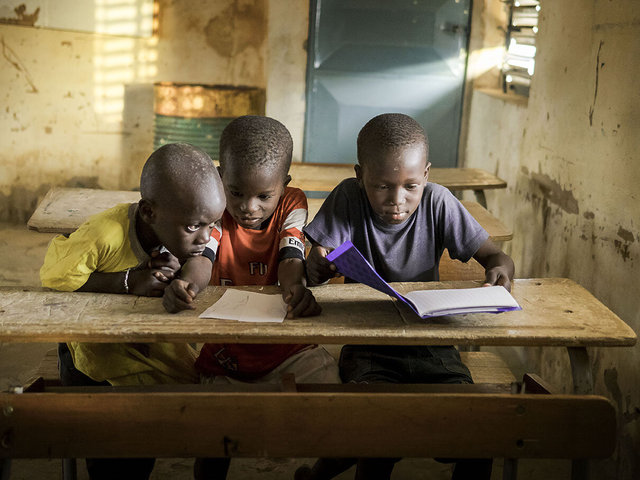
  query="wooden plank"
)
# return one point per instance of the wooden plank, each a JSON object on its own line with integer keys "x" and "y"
{"x": 323, "y": 177}
{"x": 63, "y": 210}
{"x": 487, "y": 367}
{"x": 497, "y": 231}
{"x": 451, "y": 269}
{"x": 306, "y": 425}
{"x": 555, "y": 311}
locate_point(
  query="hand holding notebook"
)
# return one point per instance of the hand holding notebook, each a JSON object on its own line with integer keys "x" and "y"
{"x": 426, "y": 303}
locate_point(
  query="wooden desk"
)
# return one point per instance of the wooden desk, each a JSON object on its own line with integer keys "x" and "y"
{"x": 555, "y": 312}
{"x": 63, "y": 210}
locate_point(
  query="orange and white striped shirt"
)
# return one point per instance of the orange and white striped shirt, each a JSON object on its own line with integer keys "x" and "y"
{"x": 251, "y": 257}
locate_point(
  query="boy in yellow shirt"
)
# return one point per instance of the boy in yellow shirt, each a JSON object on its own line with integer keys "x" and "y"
{"x": 164, "y": 245}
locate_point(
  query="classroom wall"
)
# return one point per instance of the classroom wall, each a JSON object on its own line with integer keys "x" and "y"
{"x": 78, "y": 107}
{"x": 571, "y": 158}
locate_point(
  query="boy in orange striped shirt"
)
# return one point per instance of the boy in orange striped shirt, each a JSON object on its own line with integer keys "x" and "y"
{"x": 262, "y": 244}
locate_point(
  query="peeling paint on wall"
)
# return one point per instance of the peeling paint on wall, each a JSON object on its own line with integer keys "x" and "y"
{"x": 625, "y": 235}
{"x": 22, "y": 17}
{"x": 553, "y": 191}
{"x": 595, "y": 92}
{"x": 13, "y": 59}
{"x": 240, "y": 26}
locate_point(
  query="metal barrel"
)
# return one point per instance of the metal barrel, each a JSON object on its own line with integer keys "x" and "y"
{"x": 197, "y": 114}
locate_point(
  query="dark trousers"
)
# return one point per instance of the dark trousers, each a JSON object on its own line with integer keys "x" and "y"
{"x": 398, "y": 364}
{"x": 101, "y": 468}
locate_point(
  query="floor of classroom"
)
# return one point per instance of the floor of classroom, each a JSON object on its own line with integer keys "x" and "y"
{"x": 21, "y": 254}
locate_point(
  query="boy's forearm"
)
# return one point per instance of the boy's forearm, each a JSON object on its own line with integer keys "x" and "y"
{"x": 101, "y": 282}
{"x": 500, "y": 259}
{"x": 291, "y": 272}
{"x": 197, "y": 270}
{"x": 489, "y": 255}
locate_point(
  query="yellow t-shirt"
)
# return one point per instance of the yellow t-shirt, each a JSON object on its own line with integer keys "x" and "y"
{"x": 107, "y": 242}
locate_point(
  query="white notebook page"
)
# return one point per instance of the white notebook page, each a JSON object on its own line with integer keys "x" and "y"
{"x": 461, "y": 300}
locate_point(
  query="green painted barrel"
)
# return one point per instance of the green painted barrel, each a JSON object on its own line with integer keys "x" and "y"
{"x": 197, "y": 114}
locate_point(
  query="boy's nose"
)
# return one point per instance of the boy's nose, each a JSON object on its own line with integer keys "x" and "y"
{"x": 249, "y": 206}
{"x": 396, "y": 197}
{"x": 204, "y": 235}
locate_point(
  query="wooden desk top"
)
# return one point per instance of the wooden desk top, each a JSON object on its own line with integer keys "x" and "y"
{"x": 63, "y": 210}
{"x": 323, "y": 177}
{"x": 555, "y": 312}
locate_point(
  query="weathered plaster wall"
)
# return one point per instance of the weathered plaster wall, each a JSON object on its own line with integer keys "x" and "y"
{"x": 78, "y": 108}
{"x": 287, "y": 66}
{"x": 571, "y": 159}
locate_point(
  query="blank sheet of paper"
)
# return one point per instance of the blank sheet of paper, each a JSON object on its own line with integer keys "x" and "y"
{"x": 247, "y": 307}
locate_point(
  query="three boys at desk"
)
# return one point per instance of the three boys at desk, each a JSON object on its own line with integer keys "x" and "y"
{"x": 392, "y": 214}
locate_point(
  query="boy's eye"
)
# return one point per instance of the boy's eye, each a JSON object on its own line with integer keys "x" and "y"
{"x": 381, "y": 187}
{"x": 235, "y": 194}
{"x": 264, "y": 196}
{"x": 412, "y": 186}
{"x": 193, "y": 228}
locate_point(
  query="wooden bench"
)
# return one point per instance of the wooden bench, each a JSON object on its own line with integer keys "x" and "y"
{"x": 485, "y": 368}
{"x": 306, "y": 421}
{"x": 303, "y": 420}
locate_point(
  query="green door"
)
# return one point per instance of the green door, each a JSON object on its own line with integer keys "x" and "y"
{"x": 368, "y": 57}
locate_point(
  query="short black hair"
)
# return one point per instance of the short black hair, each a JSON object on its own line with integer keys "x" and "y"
{"x": 175, "y": 168}
{"x": 390, "y": 130}
{"x": 256, "y": 141}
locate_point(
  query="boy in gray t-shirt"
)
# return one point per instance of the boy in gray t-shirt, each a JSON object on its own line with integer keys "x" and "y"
{"x": 401, "y": 224}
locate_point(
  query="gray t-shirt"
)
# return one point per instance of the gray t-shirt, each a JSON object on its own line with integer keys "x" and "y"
{"x": 409, "y": 252}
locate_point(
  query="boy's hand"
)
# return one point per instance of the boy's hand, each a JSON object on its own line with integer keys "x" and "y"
{"x": 146, "y": 283}
{"x": 163, "y": 265}
{"x": 319, "y": 269}
{"x": 497, "y": 276}
{"x": 178, "y": 295}
{"x": 301, "y": 301}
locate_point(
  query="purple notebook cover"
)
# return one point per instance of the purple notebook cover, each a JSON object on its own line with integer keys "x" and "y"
{"x": 352, "y": 264}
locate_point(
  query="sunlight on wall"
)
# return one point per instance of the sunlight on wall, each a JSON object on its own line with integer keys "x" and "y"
{"x": 122, "y": 60}
{"x": 483, "y": 60}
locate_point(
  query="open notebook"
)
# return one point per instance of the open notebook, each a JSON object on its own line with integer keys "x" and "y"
{"x": 426, "y": 303}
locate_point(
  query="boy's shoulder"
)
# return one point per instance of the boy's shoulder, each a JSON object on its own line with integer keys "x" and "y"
{"x": 110, "y": 226}
{"x": 118, "y": 216}
{"x": 293, "y": 194}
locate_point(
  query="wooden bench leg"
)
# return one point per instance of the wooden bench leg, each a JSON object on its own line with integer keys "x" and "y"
{"x": 69, "y": 469}
{"x": 580, "y": 370}
{"x": 580, "y": 469}
{"x": 510, "y": 470}
{"x": 480, "y": 197}
{"x": 5, "y": 468}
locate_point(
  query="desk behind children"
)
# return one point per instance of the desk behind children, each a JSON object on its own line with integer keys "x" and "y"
{"x": 323, "y": 177}
{"x": 63, "y": 210}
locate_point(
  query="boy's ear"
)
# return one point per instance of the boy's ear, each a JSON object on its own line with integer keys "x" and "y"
{"x": 426, "y": 172}
{"x": 147, "y": 212}
{"x": 358, "y": 169}
{"x": 287, "y": 179}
